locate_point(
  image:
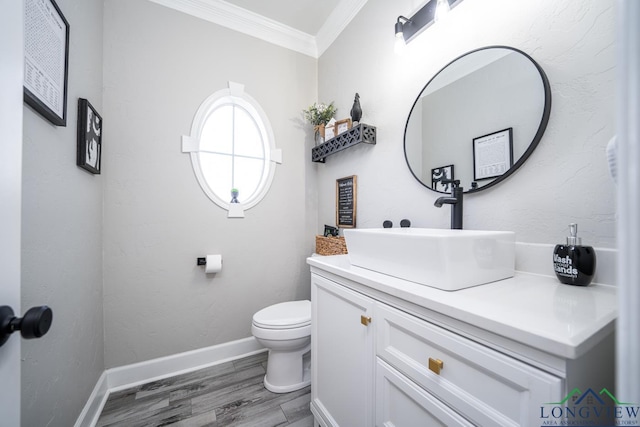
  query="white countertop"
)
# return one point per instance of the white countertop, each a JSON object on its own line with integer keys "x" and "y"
{"x": 535, "y": 310}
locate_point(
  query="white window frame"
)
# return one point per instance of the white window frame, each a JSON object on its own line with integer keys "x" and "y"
{"x": 236, "y": 95}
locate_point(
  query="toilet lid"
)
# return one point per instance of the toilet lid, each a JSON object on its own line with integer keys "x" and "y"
{"x": 292, "y": 314}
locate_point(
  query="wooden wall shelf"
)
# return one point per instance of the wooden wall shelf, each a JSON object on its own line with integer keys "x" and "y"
{"x": 357, "y": 134}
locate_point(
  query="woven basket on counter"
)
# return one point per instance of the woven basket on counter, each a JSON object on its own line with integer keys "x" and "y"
{"x": 330, "y": 245}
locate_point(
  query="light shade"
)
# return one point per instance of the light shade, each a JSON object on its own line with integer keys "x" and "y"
{"x": 399, "y": 28}
{"x": 400, "y": 44}
{"x": 442, "y": 9}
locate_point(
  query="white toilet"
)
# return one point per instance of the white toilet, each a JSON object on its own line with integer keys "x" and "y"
{"x": 285, "y": 329}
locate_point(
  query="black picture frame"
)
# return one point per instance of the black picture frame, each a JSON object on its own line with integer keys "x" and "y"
{"x": 89, "y": 155}
{"x": 441, "y": 173}
{"x": 46, "y": 60}
{"x": 346, "y": 201}
{"x": 492, "y": 154}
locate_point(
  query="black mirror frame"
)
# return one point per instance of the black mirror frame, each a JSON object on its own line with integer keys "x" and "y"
{"x": 546, "y": 113}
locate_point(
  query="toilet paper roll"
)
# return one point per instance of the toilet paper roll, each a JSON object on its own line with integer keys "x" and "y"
{"x": 214, "y": 264}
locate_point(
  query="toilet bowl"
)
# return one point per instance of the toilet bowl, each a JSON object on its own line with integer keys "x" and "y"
{"x": 285, "y": 329}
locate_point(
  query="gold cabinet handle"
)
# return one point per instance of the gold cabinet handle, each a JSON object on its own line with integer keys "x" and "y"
{"x": 436, "y": 365}
{"x": 365, "y": 320}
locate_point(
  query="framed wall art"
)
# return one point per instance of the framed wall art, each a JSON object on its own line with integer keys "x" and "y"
{"x": 438, "y": 175}
{"x": 346, "y": 201}
{"x": 46, "y": 60}
{"x": 89, "y": 137}
{"x": 492, "y": 154}
{"x": 329, "y": 132}
{"x": 343, "y": 126}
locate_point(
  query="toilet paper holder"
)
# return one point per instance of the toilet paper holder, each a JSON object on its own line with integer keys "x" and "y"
{"x": 212, "y": 263}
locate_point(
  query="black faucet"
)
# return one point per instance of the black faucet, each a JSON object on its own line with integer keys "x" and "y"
{"x": 455, "y": 201}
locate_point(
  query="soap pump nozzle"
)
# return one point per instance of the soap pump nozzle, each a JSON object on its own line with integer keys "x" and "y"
{"x": 573, "y": 263}
{"x": 573, "y": 239}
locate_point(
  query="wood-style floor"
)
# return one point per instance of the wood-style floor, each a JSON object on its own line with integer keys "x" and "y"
{"x": 229, "y": 394}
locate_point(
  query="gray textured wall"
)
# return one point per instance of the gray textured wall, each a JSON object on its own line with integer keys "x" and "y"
{"x": 62, "y": 241}
{"x": 159, "y": 65}
{"x": 565, "y": 180}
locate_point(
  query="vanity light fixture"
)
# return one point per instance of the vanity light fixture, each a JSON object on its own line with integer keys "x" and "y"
{"x": 400, "y": 44}
{"x": 431, "y": 12}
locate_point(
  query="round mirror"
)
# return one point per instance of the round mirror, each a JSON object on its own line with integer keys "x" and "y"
{"x": 477, "y": 120}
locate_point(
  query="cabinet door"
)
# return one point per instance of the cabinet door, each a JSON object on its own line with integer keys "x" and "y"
{"x": 401, "y": 403}
{"x": 342, "y": 355}
{"x": 487, "y": 387}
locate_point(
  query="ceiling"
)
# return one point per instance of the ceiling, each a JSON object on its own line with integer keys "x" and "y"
{"x": 307, "y": 16}
{"x": 306, "y": 26}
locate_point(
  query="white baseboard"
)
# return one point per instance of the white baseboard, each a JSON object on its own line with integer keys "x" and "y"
{"x": 123, "y": 377}
{"x": 91, "y": 411}
{"x": 138, "y": 373}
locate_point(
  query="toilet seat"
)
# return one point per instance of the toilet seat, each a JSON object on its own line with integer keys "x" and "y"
{"x": 285, "y": 315}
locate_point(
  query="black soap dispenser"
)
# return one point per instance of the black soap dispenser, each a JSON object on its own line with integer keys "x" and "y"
{"x": 573, "y": 263}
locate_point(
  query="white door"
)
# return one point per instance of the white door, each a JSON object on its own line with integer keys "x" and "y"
{"x": 11, "y": 60}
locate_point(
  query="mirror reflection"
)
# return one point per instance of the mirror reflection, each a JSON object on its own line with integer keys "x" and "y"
{"x": 477, "y": 120}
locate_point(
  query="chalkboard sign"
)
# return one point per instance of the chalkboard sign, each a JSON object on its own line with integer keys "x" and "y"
{"x": 346, "y": 202}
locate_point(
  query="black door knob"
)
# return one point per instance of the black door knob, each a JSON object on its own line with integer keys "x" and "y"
{"x": 35, "y": 323}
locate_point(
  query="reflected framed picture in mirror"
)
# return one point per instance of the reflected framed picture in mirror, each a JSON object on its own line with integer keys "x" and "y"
{"x": 440, "y": 174}
{"x": 492, "y": 154}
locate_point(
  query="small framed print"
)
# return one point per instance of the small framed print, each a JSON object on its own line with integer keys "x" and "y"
{"x": 440, "y": 174}
{"x": 89, "y": 137}
{"x": 492, "y": 154}
{"x": 329, "y": 132}
{"x": 346, "y": 201}
{"x": 343, "y": 126}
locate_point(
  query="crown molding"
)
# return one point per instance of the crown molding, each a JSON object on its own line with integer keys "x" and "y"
{"x": 236, "y": 18}
{"x": 337, "y": 22}
{"x": 239, "y": 19}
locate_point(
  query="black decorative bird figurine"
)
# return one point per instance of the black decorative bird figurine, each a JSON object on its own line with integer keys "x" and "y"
{"x": 356, "y": 110}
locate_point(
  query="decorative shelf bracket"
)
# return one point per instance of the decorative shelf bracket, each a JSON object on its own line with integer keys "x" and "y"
{"x": 355, "y": 135}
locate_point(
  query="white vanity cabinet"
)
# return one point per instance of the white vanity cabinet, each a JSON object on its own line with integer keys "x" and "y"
{"x": 483, "y": 385}
{"x": 342, "y": 355}
{"x": 401, "y": 403}
{"x": 383, "y": 354}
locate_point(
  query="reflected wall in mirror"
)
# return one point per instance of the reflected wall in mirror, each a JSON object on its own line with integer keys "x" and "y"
{"x": 481, "y": 93}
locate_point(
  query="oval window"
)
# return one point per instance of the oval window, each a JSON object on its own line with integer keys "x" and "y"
{"x": 232, "y": 149}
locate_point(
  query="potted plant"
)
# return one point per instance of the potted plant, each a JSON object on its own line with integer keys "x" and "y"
{"x": 234, "y": 195}
{"x": 319, "y": 115}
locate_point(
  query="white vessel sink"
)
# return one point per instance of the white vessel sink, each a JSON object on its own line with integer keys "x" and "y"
{"x": 445, "y": 259}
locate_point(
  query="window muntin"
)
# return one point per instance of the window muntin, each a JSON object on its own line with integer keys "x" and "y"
{"x": 231, "y": 146}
